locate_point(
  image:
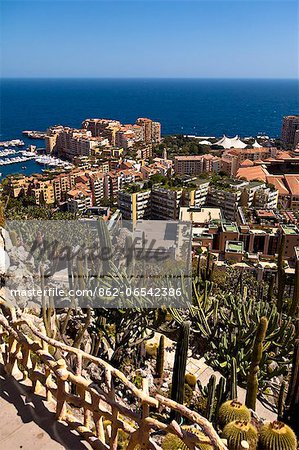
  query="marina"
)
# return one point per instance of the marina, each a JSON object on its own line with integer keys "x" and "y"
{"x": 27, "y": 160}
{"x": 12, "y": 143}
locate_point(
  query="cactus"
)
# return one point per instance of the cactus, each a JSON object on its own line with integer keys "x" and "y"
{"x": 179, "y": 369}
{"x": 172, "y": 442}
{"x": 233, "y": 379}
{"x": 105, "y": 245}
{"x": 277, "y": 436}
{"x": 151, "y": 349}
{"x": 281, "y": 400}
{"x": 220, "y": 394}
{"x": 295, "y": 302}
{"x": 211, "y": 398}
{"x": 271, "y": 288}
{"x": 281, "y": 278}
{"x": 160, "y": 357}
{"x": 191, "y": 380}
{"x": 292, "y": 401}
{"x": 199, "y": 252}
{"x": 257, "y": 352}
{"x": 233, "y": 410}
{"x": 237, "y": 431}
{"x": 129, "y": 252}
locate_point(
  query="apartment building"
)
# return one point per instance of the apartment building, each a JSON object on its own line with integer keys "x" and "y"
{"x": 79, "y": 199}
{"x": 257, "y": 194}
{"x": 62, "y": 183}
{"x": 151, "y": 130}
{"x": 290, "y": 130}
{"x": 196, "y": 196}
{"x": 197, "y": 164}
{"x": 97, "y": 187}
{"x": 69, "y": 142}
{"x": 234, "y": 158}
{"x": 42, "y": 191}
{"x": 17, "y": 185}
{"x": 225, "y": 197}
{"x": 135, "y": 205}
{"x": 165, "y": 202}
{"x": 105, "y": 128}
{"x": 291, "y": 233}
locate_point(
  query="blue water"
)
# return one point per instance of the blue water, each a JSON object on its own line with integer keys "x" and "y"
{"x": 202, "y": 107}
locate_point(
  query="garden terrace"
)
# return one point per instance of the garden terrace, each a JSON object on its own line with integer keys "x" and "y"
{"x": 26, "y": 351}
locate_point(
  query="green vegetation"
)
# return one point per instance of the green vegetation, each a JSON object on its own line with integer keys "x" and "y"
{"x": 181, "y": 145}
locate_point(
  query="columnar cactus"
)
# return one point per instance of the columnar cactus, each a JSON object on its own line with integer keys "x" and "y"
{"x": 280, "y": 275}
{"x": 292, "y": 401}
{"x": 295, "y": 302}
{"x": 211, "y": 398}
{"x": 277, "y": 436}
{"x": 233, "y": 379}
{"x": 179, "y": 369}
{"x": 252, "y": 381}
{"x": 271, "y": 288}
{"x": 160, "y": 357}
{"x": 129, "y": 253}
{"x": 105, "y": 245}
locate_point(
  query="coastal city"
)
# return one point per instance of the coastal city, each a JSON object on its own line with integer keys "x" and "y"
{"x": 149, "y": 225}
{"x": 241, "y": 196}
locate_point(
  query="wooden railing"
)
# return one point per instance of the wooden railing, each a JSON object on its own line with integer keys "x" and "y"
{"x": 27, "y": 351}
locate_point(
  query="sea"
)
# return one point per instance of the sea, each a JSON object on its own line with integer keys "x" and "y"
{"x": 202, "y": 107}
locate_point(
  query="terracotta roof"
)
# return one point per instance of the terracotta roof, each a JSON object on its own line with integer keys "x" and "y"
{"x": 246, "y": 163}
{"x": 277, "y": 181}
{"x": 252, "y": 173}
{"x": 292, "y": 181}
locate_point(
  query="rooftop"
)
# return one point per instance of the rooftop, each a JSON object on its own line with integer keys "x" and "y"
{"x": 200, "y": 215}
{"x": 230, "y": 227}
{"x": 290, "y": 229}
{"x": 234, "y": 247}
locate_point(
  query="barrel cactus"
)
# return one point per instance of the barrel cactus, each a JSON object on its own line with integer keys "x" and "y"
{"x": 151, "y": 349}
{"x": 277, "y": 436}
{"x": 233, "y": 410}
{"x": 237, "y": 431}
{"x": 172, "y": 442}
{"x": 191, "y": 380}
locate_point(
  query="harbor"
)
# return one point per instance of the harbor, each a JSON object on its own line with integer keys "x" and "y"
{"x": 28, "y": 160}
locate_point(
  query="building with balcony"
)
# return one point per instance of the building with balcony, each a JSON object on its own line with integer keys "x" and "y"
{"x": 135, "y": 205}
{"x": 290, "y": 130}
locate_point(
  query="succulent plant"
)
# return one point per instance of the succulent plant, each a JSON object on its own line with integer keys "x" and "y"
{"x": 233, "y": 410}
{"x": 179, "y": 368}
{"x": 172, "y": 442}
{"x": 257, "y": 353}
{"x": 237, "y": 431}
{"x": 151, "y": 349}
{"x": 277, "y": 436}
{"x": 191, "y": 379}
{"x": 160, "y": 357}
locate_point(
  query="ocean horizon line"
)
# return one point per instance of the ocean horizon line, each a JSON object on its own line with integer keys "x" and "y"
{"x": 149, "y": 78}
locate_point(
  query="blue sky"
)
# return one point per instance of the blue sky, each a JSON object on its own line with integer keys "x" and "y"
{"x": 85, "y": 38}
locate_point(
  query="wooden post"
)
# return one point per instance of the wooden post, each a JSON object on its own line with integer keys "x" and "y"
{"x": 114, "y": 426}
{"x": 61, "y": 377}
{"x": 144, "y": 428}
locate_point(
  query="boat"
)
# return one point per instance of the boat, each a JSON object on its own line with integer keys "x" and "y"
{"x": 24, "y": 167}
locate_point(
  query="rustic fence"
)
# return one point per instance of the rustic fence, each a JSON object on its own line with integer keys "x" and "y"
{"x": 87, "y": 406}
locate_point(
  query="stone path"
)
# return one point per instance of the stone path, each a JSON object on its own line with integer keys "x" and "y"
{"x": 26, "y": 422}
